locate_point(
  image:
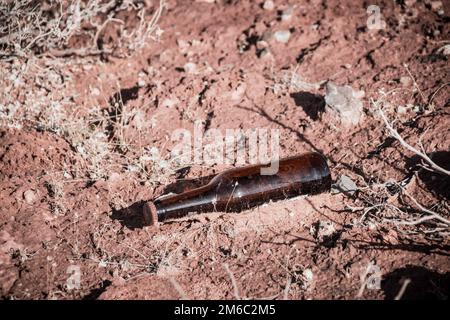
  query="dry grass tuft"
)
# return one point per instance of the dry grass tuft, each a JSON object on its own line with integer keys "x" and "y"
{"x": 62, "y": 28}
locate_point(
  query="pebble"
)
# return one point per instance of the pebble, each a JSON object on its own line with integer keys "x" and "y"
{"x": 445, "y": 50}
{"x": 286, "y": 15}
{"x": 405, "y": 81}
{"x": 346, "y": 185}
{"x": 95, "y": 91}
{"x": 190, "y": 67}
{"x": 345, "y": 102}
{"x": 436, "y": 5}
{"x": 268, "y": 5}
{"x": 402, "y": 110}
{"x": 29, "y": 196}
{"x": 169, "y": 102}
{"x": 282, "y": 36}
{"x": 308, "y": 275}
{"x": 238, "y": 93}
{"x": 322, "y": 229}
{"x": 261, "y": 44}
{"x": 183, "y": 45}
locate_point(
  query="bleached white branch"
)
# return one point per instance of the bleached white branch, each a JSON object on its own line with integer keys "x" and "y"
{"x": 406, "y": 145}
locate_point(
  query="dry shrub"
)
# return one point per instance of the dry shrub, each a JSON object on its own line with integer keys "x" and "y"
{"x": 79, "y": 27}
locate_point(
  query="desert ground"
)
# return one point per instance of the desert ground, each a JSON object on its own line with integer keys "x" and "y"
{"x": 92, "y": 92}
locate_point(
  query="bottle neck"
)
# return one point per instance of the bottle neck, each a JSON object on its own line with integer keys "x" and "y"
{"x": 176, "y": 206}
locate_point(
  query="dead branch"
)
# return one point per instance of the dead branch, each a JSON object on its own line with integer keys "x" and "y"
{"x": 406, "y": 145}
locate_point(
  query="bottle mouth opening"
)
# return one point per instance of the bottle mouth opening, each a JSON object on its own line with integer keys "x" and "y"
{"x": 150, "y": 214}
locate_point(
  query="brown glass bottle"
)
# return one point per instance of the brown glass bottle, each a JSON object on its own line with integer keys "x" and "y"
{"x": 239, "y": 189}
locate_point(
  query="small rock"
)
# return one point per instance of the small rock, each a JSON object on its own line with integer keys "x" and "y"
{"x": 436, "y": 5}
{"x": 114, "y": 177}
{"x": 141, "y": 79}
{"x": 402, "y": 110}
{"x": 29, "y": 196}
{"x": 445, "y": 50}
{"x": 345, "y": 102}
{"x": 87, "y": 66}
{"x": 308, "y": 274}
{"x": 286, "y": 15}
{"x": 344, "y": 184}
{"x": 322, "y": 229}
{"x": 238, "y": 93}
{"x": 168, "y": 103}
{"x": 67, "y": 175}
{"x": 190, "y": 67}
{"x": 405, "y": 81}
{"x": 282, "y": 36}
{"x": 95, "y": 91}
{"x": 372, "y": 226}
{"x": 410, "y": 3}
{"x": 261, "y": 44}
{"x": 417, "y": 109}
{"x": 103, "y": 264}
{"x": 268, "y": 5}
{"x": 264, "y": 53}
{"x": 308, "y": 277}
{"x": 183, "y": 45}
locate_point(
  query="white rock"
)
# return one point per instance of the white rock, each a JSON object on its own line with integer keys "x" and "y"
{"x": 103, "y": 264}
{"x": 95, "y": 91}
{"x": 114, "y": 177}
{"x": 141, "y": 79}
{"x": 445, "y": 50}
{"x": 322, "y": 229}
{"x": 238, "y": 93}
{"x": 282, "y": 36}
{"x": 190, "y": 67}
{"x": 141, "y": 83}
{"x": 261, "y": 44}
{"x": 286, "y": 15}
{"x": 405, "y": 81}
{"x": 168, "y": 103}
{"x": 402, "y": 110}
{"x": 268, "y": 5}
{"x": 410, "y": 3}
{"x": 436, "y": 5}
{"x": 183, "y": 45}
{"x": 29, "y": 196}
{"x": 345, "y": 102}
{"x": 308, "y": 275}
{"x": 133, "y": 168}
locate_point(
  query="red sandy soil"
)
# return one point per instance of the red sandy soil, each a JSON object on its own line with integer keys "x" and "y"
{"x": 95, "y": 224}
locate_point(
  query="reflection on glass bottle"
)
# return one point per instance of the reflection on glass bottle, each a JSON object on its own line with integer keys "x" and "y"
{"x": 242, "y": 188}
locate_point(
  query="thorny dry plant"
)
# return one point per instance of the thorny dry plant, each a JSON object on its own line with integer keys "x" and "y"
{"x": 166, "y": 255}
{"x": 393, "y": 204}
{"x": 51, "y": 27}
{"x": 31, "y": 31}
